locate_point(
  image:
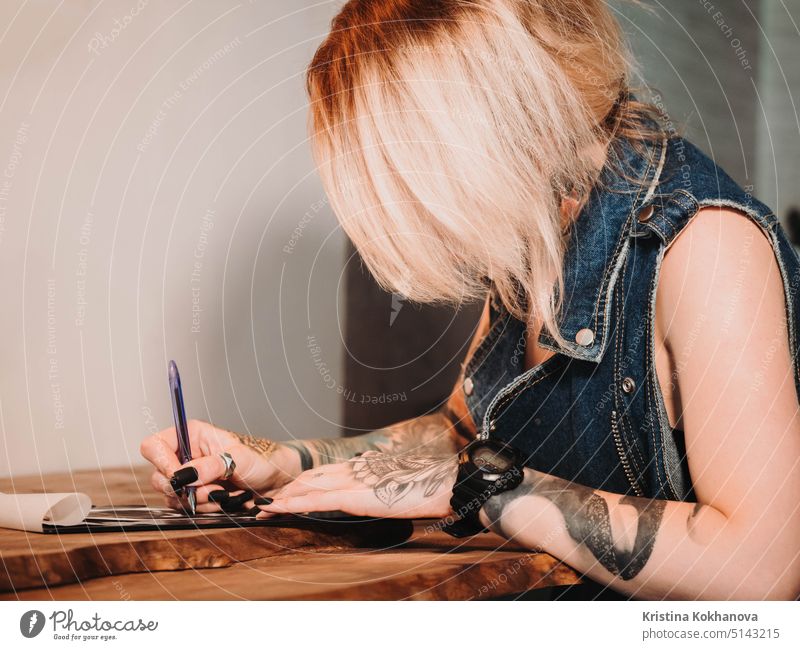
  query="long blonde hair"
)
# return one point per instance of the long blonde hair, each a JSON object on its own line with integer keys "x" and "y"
{"x": 447, "y": 133}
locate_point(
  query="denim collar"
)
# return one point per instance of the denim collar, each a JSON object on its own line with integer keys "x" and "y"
{"x": 598, "y": 244}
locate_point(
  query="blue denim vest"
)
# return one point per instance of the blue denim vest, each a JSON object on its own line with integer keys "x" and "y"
{"x": 594, "y": 412}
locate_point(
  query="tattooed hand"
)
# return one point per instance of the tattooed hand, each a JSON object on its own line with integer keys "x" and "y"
{"x": 260, "y": 465}
{"x": 373, "y": 484}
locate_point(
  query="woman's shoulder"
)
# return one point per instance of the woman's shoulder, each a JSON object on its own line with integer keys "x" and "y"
{"x": 720, "y": 278}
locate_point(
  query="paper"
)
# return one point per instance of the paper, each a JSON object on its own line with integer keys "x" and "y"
{"x": 30, "y": 511}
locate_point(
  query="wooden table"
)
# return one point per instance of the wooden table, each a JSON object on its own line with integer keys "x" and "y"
{"x": 252, "y": 563}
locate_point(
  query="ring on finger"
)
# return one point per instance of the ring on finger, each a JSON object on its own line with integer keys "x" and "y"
{"x": 230, "y": 465}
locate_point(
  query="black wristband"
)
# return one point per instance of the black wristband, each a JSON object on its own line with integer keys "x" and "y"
{"x": 470, "y": 493}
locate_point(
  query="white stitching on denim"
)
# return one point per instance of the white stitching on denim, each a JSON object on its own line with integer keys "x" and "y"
{"x": 527, "y": 384}
{"x": 624, "y": 242}
{"x": 653, "y": 386}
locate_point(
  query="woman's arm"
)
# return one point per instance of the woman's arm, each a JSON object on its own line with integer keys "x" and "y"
{"x": 725, "y": 323}
{"x": 426, "y": 435}
{"x": 721, "y": 305}
{"x": 649, "y": 548}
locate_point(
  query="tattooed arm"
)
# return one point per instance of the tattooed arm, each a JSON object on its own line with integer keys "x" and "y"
{"x": 426, "y": 435}
{"x": 609, "y": 537}
{"x": 721, "y": 334}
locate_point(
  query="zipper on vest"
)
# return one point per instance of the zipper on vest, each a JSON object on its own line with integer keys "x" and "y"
{"x": 505, "y": 394}
{"x": 626, "y": 465}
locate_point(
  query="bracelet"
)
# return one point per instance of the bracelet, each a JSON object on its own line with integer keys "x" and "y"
{"x": 262, "y": 446}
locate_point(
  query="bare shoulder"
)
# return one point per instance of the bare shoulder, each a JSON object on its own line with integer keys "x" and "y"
{"x": 720, "y": 271}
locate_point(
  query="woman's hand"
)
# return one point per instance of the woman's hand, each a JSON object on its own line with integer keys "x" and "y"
{"x": 255, "y": 472}
{"x": 374, "y": 484}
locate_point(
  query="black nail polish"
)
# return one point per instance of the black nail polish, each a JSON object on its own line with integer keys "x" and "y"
{"x": 182, "y": 477}
{"x": 217, "y": 496}
{"x": 254, "y": 511}
{"x": 262, "y": 501}
{"x": 235, "y": 503}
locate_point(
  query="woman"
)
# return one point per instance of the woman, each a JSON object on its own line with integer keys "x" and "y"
{"x": 637, "y": 349}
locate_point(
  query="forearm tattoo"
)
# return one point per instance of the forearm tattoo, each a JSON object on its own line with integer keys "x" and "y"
{"x": 306, "y": 461}
{"x": 429, "y": 434}
{"x": 588, "y": 521}
{"x": 259, "y": 445}
{"x": 692, "y": 529}
{"x": 392, "y": 477}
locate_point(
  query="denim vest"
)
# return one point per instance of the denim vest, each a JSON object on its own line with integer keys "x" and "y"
{"x": 594, "y": 412}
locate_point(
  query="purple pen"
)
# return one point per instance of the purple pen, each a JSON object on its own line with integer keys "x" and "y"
{"x": 181, "y": 430}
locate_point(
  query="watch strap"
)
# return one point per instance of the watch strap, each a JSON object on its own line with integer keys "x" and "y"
{"x": 470, "y": 493}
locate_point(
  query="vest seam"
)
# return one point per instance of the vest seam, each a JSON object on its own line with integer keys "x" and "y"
{"x": 623, "y": 420}
{"x": 623, "y": 241}
{"x": 655, "y": 386}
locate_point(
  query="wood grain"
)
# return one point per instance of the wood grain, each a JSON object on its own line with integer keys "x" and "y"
{"x": 253, "y": 563}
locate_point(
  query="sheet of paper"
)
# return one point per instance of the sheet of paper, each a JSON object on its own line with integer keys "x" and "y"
{"x": 30, "y": 511}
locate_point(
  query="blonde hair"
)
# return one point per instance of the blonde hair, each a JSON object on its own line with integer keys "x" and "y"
{"x": 447, "y": 132}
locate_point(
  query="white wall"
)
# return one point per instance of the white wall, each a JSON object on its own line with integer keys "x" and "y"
{"x": 131, "y": 158}
{"x": 728, "y": 75}
{"x": 778, "y": 105}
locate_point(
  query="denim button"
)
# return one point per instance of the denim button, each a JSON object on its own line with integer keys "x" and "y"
{"x": 645, "y": 214}
{"x": 469, "y": 386}
{"x": 584, "y": 337}
{"x": 628, "y": 385}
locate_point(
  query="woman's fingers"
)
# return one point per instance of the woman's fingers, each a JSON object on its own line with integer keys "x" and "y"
{"x": 161, "y": 448}
{"x": 198, "y": 471}
{"x": 315, "y": 501}
{"x": 161, "y": 484}
{"x": 159, "y": 453}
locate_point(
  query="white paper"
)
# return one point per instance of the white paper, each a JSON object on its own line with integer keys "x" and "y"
{"x": 30, "y": 511}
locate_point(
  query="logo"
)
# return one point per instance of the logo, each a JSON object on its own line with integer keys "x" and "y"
{"x": 31, "y": 623}
{"x": 398, "y": 300}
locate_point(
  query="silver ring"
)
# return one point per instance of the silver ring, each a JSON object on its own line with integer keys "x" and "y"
{"x": 230, "y": 465}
